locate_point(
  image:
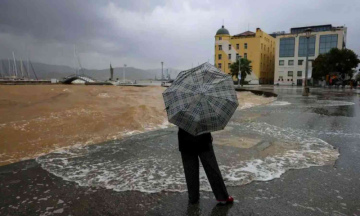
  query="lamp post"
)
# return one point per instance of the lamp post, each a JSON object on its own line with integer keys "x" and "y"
{"x": 306, "y": 89}
{"x": 124, "y": 73}
{"x": 162, "y": 73}
{"x": 239, "y": 75}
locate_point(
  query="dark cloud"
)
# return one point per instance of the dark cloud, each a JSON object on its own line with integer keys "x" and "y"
{"x": 143, "y": 33}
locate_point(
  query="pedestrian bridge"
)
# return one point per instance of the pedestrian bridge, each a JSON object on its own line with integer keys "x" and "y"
{"x": 71, "y": 78}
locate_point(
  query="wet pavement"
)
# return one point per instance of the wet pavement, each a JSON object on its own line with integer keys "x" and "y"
{"x": 295, "y": 156}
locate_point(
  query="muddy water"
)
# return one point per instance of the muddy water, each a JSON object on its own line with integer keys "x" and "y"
{"x": 36, "y": 120}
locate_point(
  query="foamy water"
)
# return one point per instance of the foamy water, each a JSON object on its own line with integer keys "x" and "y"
{"x": 280, "y": 103}
{"x": 157, "y": 167}
{"x": 248, "y": 100}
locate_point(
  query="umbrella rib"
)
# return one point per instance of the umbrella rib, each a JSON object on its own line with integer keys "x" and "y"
{"x": 211, "y": 105}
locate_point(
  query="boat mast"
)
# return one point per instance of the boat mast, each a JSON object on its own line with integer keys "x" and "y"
{"x": 32, "y": 67}
{"x": 21, "y": 69}
{"x": 75, "y": 60}
{"x": 15, "y": 69}
{"x": 80, "y": 67}
{"x": 26, "y": 73}
{"x": 28, "y": 69}
{"x": 1, "y": 69}
{"x": 9, "y": 67}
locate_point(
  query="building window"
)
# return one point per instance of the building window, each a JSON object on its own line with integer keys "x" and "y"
{"x": 220, "y": 47}
{"x": 291, "y": 62}
{"x": 299, "y": 73}
{"x": 327, "y": 42}
{"x": 229, "y": 64}
{"x": 281, "y": 78}
{"x": 237, "y": 46}
{"x": 219, "y": 65}
{"x": 219, "y": 56}
{"x": 290, "y": 73}
{"x": 229, "y": 46}
{"x": 281, "y": 62}
{"x": 245, "y": 55}
{"x": 245, "y": 45}
{"x": 287, "y": 47}
{"x": 261, "y": 46}
{"x": 300, "y": 62}
{"x": 237, "y": 56}
{"x": 229, "y": 56}
{"x": 302, "y": 46}
{"x": 220, "y": 38}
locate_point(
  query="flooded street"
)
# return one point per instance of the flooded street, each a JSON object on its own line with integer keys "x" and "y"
{"x": 36, "y": 120}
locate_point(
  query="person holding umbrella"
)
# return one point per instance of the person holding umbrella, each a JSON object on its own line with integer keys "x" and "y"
{"x": 201, "y": 100}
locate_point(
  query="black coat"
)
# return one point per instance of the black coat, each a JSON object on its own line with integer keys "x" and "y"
{"x": 194, "y": 144}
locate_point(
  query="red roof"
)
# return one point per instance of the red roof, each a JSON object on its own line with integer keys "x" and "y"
{"x": 247, "y": 33}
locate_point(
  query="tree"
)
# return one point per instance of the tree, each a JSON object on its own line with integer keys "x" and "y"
{"x": 357, "y": 77}
{"x": 341, "y": 61}
{"x": 245, "y": 68}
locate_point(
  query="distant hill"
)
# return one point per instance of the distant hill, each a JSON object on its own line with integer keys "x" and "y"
{"x": 46, "y": 71}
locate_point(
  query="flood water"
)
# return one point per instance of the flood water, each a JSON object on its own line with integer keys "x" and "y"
{"x": 36, "y": 120}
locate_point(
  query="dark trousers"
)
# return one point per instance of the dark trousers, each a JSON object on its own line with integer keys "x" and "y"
{"x": 211, "y": 167}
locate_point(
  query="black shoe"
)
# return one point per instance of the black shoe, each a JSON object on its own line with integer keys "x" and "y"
{"x": 193, "y": 201}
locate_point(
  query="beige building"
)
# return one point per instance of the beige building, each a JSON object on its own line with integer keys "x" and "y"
{"x": 258, "y": 47}
{"x": 290, "y": 51}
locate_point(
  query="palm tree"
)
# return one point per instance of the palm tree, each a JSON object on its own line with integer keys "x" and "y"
{"x": 245, "y": 69}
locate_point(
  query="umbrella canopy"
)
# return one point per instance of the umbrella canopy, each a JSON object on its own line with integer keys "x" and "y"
{"x": 201, "y": 100}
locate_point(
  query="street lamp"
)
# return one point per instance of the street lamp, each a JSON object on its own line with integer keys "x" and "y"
{"x": 239, "y": 75}
{"x": 162, "y": 73}
{"x": 124, "y": 73}
{"x": 306, "y": 89}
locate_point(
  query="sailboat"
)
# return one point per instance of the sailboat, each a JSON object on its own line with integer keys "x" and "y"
{"x": 2, "y": 74}
{"x": 15, "y": 67}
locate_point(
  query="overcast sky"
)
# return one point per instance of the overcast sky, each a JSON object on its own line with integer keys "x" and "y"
{"x": 142, "y": 33}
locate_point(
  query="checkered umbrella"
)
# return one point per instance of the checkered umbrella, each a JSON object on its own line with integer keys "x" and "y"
{"x": 201, "y": 100}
